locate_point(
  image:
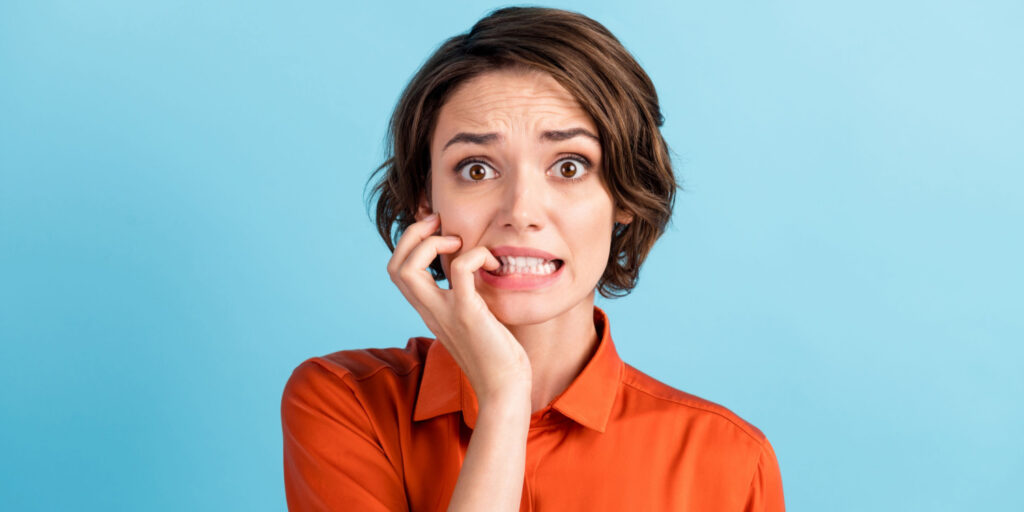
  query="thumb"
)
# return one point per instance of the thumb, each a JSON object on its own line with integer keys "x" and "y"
{"x": 464, "y": 268}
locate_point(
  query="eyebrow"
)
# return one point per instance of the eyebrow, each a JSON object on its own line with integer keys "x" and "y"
{"x": 550, "y": 135}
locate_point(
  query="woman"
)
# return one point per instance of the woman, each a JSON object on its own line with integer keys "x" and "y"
{"x": 528, "y": 169}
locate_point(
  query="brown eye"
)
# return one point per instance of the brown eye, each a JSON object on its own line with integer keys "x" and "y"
{"x": 568, "y": 169}
{"x": 571, "y": 168}
{"x": 477, "y": 172}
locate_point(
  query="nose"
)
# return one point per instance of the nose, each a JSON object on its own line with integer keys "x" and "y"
{"x": 524, "y": 200}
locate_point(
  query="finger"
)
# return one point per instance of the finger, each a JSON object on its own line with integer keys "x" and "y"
{"x": 413, "y": 236}
{"x": 464, "y": 267}
{"x": 415, "y": 275}
{"x": 415, "y": 282}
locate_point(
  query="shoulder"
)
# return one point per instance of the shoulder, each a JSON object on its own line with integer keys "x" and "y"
{"x": 693, "y": 412}
{"x": 364, "y": 363}
{"x": 350, "y": 371}
{"x": 734, "y": 458}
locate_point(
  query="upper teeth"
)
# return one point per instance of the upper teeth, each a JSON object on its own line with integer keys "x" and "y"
{"x": 525, "y": 265}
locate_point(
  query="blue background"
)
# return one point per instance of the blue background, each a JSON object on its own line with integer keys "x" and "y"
{"x": 182, "y": 223}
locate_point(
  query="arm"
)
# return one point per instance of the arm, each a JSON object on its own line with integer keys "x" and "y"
{"x": 332, "y": 458}
{"x": 491, "y": 478}
{"x": 495, "y": 363}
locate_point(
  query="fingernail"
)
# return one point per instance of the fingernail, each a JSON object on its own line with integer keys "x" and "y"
{"x": 430, "y": 217}
{"x": 452, "y": 238}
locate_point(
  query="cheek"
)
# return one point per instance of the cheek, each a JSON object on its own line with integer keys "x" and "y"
{"x": 465, "y": 220}
{"x": 590, "y": 229}
{"x": 599, "y": 245}
{"x": 459, "y": 214}
{"x": 463, "y": 225}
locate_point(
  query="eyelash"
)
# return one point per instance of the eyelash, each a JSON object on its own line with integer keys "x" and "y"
{"x": 567, "y": 156}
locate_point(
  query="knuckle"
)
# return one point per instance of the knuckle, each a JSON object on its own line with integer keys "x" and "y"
{"x": 407, "y": 273}
{"x": 460, "y": 264}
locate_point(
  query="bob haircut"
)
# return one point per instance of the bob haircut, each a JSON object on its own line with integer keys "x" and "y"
{"x": 593, "y": 66}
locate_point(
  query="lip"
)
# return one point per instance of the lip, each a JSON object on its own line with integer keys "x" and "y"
{"x": 521, "y": 281}
{"x": 508, "y": 250}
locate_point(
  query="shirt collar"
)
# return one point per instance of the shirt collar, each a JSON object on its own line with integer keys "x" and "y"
{"x": 588, "y": 400}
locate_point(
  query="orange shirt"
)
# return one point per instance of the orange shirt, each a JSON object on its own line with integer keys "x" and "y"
{"x": 387, "y": 429}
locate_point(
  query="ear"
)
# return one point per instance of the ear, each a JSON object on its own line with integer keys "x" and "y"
{"x": 423, "y": 208}
{"x": 623, "y": 217}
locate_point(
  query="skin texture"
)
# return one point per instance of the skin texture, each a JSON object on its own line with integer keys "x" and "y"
{"x": 527, "y": 201}
{"x": 518, "y": 348}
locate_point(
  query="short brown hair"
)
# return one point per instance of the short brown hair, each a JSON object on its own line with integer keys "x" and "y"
{"x": 588, "y": 61}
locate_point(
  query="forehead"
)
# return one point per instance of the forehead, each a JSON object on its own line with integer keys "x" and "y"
{"x": 506, "y": 100}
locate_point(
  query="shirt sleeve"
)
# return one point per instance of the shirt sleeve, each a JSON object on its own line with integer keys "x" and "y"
{"x": 766, "y": 486}
{"x": 333, "y": 459}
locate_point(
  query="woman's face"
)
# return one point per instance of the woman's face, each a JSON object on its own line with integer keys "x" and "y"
{"x": 516, "y": 163}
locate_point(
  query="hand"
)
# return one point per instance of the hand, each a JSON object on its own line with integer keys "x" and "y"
{"x": 493, "y": 360}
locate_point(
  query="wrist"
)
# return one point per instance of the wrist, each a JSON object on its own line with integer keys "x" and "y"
{"x": 510, "y": 401}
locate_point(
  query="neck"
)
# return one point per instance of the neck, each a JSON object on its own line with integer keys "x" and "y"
{"x": 558, "y": 350}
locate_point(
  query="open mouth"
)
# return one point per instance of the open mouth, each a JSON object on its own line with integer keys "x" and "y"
{"x": 526, "y": 266}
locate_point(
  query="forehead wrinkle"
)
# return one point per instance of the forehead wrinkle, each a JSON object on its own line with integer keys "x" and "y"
{"x": 486, "y": 104}
{"x": 489, "y": 93}
{"x": 526, "y": 119}
{"x": 514, "y": 107}
{"x": 505, "y": 123}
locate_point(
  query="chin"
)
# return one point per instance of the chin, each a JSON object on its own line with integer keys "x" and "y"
{"x": 523, "y": 309}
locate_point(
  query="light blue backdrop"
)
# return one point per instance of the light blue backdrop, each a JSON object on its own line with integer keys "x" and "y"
{"x": 182, "y": 223}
